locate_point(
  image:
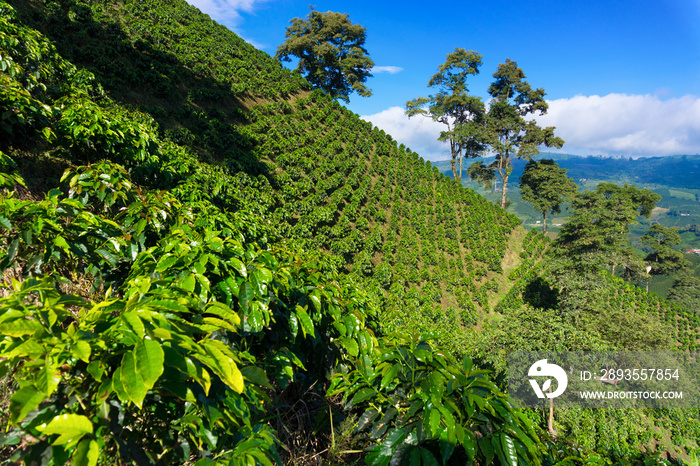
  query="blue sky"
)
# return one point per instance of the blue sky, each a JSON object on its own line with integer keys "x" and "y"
{"x": 622, "y": 77}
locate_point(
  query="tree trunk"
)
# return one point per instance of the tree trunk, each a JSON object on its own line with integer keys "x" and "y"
{"x": 459, "y": 178}
{"x": 453, "y": 155}
{"x": 503, "y": 194}
{"x": 544, "y": 222}
{"x": 550, "y": 418}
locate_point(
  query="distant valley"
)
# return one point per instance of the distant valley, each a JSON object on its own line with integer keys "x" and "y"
{"x": 675, "y": 178}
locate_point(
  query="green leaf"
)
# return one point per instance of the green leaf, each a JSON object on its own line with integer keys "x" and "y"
{"x": 368, "y": 417}
{"x": 116, "y": 385}
{"x": 86, "y": 453}
{"x": 293, "y": 324}
{"x": 253, "y": 322}
{"x": 509, "y": 452}
{"x": 284, "y": 370}
{"x": 96, "y": 369}
{"x": 61, "y": 242}
{"x": 188, "y": 283}
{"x": 134, "y": 324}
{"x": 81, "y": 349}
{"x": 435, "y": 422}
{"x": 168, "y": 305}
{"x": 149, "y": 361}
{"x": 467, "y": 365}
{"x": 166, "y": 262}
{"x": 263, "y": 275}
{"x": 466, "y": 437}
{"x": 449, "y": 420}
{"x": 70, "y": 427}
{"x": 47, "y": 377}
{"x": 446, "y": 450}
{"x": 259, "y": 287}
{"x": 133, "y": 383}
{"x": 19, "y": 327}
{"x": 362, "y": 395}
{"x": 29, "y": 349}
{"x": 307, "y": 326}
{"x": 256, "y": 375}
{"x": 392, "y": 441}
{"x": 108, "y": 256}
{"x": 415, "y": 456}
{"x": 23, "y": 401}
{"x": 204, "y": 281}
{"x": 239, "y": 267}
{"x": 188, "y": 367}
{"x": 486, "y": 449}
{"x": 206, "y": 462}
{"x": 388, "y": 378}
{"x": 212, "y": 324}
{"x": 366, "y": 342}
{"x": 384, "y": 423}
{"x": 221, "y": 361}
{"x": 223, "y": 311}
{"x": 316, "y": 300}
{"x": 229, "y": 287}
{"x": 12, "y": 250}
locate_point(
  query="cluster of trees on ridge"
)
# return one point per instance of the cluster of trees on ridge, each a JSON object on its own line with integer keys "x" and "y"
{"x": 179, "y": 326}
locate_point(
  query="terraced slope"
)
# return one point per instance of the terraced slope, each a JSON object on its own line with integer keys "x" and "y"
{"x": 264, "y": 143}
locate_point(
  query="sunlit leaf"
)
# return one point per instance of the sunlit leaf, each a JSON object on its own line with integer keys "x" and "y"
{"x": 70, "y": 427}
{"x": 86, "y": 453}
{"x": 149, "y": 358}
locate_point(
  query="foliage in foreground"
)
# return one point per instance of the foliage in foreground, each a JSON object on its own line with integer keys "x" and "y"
{"x": 176, "y": 360}
{"x": 141, "y": 328}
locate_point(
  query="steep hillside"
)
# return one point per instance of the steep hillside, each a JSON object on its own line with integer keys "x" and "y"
{"x": 155, "y": 308}
{"x": 326, "y": 178}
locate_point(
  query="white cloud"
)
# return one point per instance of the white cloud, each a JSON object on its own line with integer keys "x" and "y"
{"x": 615, "y": 124}
{"x": 225, "y": 11}
{"x": 628, "y": 125}
{"x": 418, "y": 133}
{"x": 387, "y": 69}
{"x": 228, "y": 13}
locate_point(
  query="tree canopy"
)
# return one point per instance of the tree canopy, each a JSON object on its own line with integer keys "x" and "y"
{"x": 509, "y": 133}
{"x": 595, "y": 237}
{"x": 663, "y": 259}
{"x": 602, "y": 218}
{"x": 545, "y": 185}
{"x": 452, "y": 106}
{"x": 331, "y": 52}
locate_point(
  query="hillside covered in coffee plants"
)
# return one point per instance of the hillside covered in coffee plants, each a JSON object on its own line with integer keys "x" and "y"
{"x": 205, "y": 261}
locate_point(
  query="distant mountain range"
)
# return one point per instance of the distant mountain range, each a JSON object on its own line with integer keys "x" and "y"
{"x": 677, "y": 171}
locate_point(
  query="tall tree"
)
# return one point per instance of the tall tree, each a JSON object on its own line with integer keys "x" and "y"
{"x": 461, "y": 113}
{"x": 663, "y": 259}
{"x": 331, "y": 52}
{"x": 513, "y": 99}
{"x": 594, "y": 238}
{"x": 601, "y": 221}
{"x": 545, "y": 185}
